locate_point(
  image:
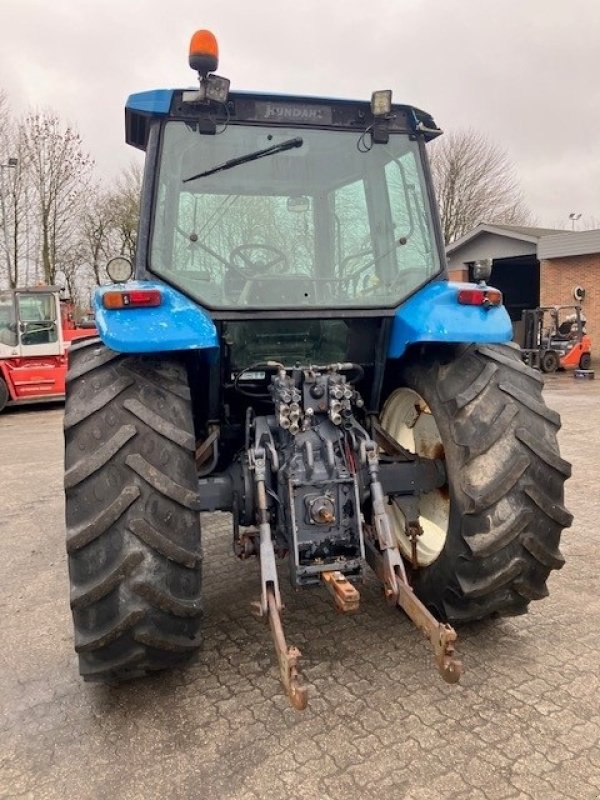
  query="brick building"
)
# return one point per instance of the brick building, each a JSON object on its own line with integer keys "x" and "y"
{"x": 535, "y": 266}
{"x": 571, "y": 261}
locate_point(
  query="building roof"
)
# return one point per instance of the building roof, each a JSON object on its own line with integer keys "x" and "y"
{"x": 528, "y": 230}
{"x": 521, "y": 232}
{"x": 573, "y": 243}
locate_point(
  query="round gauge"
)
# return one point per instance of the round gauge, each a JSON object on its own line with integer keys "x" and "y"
{"x": 119, "y": 269}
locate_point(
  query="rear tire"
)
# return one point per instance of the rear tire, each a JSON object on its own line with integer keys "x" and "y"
{"x": 505, "y": 480}
{"x": 585, "y": 362}
{"x": 133, "y": 527}
{"x": 4, "y": 395}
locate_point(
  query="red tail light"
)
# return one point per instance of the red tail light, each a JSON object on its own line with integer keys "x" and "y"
{"x": 135, "y": 298}
{"x": 480, "y": 297}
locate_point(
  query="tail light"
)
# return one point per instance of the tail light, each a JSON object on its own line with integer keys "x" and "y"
{"x": 135, "y": 298}
{"x": 480, "y": 297}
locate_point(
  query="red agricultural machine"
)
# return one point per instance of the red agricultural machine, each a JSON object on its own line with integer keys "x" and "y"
{"x": 36, "y": 331}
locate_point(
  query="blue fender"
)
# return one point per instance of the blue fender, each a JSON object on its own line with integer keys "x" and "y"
{"x": 434, "y": 314}
{"x": 176, "y": 324}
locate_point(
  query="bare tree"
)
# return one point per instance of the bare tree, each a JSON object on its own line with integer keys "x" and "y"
{"x": 123, "y": 204}
{"x": 59, "y": 170}
{"x": 96, "y": 229}
{"x": 475, "y": 182}
{"x": 11, "y": 195}
{"x": 54, "y": 217}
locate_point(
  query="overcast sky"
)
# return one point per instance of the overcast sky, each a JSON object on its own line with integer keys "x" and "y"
{"x": 525, "y": 72}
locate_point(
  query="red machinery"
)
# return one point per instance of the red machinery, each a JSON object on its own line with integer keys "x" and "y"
{"x": 36, "y": 331}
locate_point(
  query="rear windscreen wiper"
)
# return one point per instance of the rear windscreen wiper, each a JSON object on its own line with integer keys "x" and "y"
{"x": 234, "y": 162}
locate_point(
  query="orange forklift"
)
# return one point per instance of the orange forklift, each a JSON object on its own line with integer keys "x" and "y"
{"x": 554, "y": 337}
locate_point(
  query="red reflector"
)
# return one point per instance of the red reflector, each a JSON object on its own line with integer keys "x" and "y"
{"x": 145, "y": 297}
{"x": 136, "y": 298}
{"x": 480, "y": 297}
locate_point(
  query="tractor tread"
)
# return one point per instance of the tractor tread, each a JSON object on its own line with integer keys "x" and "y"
{"x": 496, "y": 580}
{"x": 477, "y": 387}
{"x": 487, "y": 439}
{"x": 106, "y": 583}
{"x": 512, "y": 361}
{"x": 497, "y": 486}
{"x": 162, "y": 483}
{"x": 530, "y": 591}
{"x": 158, "y": 541}
{"x": 98, "y": 357}
{"x": 87, "y": 466}
{"x": 538, "y": 448}
{"x": 170, "y": 642}
{"x": 160, "y": 425}
{"x": 489, "y": 542}
{"x": 102, "y": 637}
{"x": 555, "y": 511}
{"x": 551, "y": 558}
{"x": 88, "y": 531}
{"x": 77, "y": 414}
{"x": 525, "y": 399}
{"x": 133, "y": 527}
{"x": 93, "y": 669}
{"x": 165, "y": 601}
{"x": 154, "y": 378}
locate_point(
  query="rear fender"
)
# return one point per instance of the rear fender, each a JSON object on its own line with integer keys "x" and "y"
{"x": 176, "y": 324}
{"x": 434, "y": 314}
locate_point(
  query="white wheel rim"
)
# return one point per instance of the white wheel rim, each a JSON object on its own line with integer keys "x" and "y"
{"x": 407, "y": 418}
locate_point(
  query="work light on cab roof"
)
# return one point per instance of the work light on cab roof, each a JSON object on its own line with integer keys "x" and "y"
{"x": 204, "y": 59}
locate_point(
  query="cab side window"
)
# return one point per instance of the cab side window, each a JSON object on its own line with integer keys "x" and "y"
{"x": 353, "y": 245}
{"x": 37, "y": 315}
{"x": 8, "y": 323}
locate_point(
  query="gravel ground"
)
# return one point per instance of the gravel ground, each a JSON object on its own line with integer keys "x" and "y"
{"x": 524, "y": 722}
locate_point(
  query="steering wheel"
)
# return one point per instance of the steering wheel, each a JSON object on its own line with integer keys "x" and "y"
{"x": 249, "y": 266}
{"x": 243, "y": 266}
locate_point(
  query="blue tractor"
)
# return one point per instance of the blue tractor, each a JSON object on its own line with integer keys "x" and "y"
{"x": 292, "y": 352}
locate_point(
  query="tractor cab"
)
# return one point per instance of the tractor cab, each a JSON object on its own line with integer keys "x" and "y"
{"x": 272, "y": 214}
{"x": 296, "y": 226}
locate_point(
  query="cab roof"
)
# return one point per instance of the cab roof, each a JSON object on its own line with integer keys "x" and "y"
{"x": 254, "y": 108}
